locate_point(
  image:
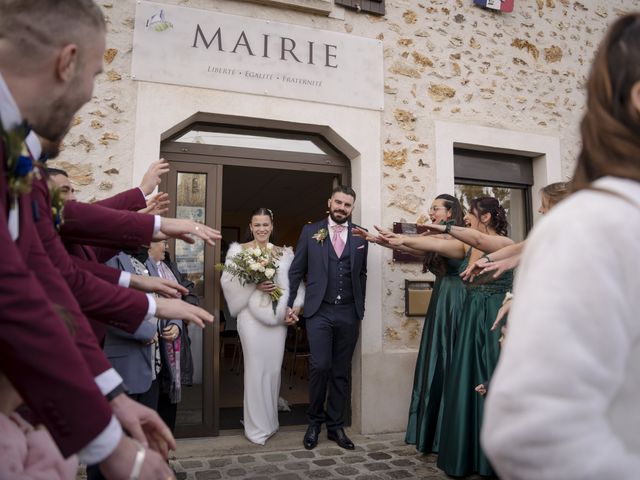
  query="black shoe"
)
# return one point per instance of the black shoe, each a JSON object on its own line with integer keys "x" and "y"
{"x": 341, "y": 438}
{"x": 311, "y": 437}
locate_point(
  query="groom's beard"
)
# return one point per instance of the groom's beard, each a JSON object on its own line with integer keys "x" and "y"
{"x": 339, "y": 221}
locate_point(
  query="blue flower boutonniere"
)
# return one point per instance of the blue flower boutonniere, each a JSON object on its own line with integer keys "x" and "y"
{"x": 320, "y": 235}
{"x": 19, "y": 162}
{"x": 57, "y": 205}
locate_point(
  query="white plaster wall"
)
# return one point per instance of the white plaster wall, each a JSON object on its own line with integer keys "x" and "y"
{"x": 160, "y": 107}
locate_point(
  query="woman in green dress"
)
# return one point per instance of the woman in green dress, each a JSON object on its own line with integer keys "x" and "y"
{"x": 443, "y": 257}
{"x": 476, "y": 350}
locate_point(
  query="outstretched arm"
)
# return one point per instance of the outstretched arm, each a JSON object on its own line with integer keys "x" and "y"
{"x": 450, "y": 248}
{"x": 506, "y": 258}
{"x": 478, "y": 240}
{"x": 361, "y": 232}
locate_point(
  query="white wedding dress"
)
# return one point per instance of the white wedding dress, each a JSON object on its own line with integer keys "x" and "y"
{"x": 262, "y": 334}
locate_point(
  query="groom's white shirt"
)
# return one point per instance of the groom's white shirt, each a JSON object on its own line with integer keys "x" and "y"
{"x": 344, "y": 234}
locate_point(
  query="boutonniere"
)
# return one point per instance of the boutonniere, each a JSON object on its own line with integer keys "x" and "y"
{"x": 57, "y": 205}
{"x": 320, "y": 235}
{"x": 19, "y": 162}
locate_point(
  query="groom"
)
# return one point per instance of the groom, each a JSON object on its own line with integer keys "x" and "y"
{"x": 335, "y": 262}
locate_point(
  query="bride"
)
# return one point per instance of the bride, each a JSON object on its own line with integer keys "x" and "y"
{"x": 262, "y": 333}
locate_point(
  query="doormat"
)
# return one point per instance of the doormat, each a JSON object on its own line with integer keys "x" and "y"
{"x": 230, "y": 418}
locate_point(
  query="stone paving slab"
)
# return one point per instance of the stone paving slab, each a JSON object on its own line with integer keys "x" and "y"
{"x": 376, "y": 457}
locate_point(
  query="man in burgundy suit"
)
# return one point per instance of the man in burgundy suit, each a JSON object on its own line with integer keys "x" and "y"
{"x": 57, "y": 49}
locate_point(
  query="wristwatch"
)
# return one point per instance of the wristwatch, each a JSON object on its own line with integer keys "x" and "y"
{"x": 120, "y": 388}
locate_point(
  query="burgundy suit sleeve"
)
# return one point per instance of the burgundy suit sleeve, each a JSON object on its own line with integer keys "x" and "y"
{"x": 102, "y": 301}
{"x": 37, "y": 353}
{"x": 108, "y": 274}
{"x": 91, "y": 224}
{"x": 132, "y": 200}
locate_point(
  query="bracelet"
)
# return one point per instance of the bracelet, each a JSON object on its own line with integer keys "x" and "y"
{"x": 137, "y": 463}
{"x": 487, "y": 257}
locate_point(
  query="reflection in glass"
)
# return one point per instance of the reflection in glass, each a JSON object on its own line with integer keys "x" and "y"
{"x": 512, "y": 199}
{"x": 250, "y": 141}
{"x": 190, "y": 203}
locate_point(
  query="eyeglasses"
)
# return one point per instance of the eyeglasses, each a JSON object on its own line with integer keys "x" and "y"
{"x": 435, "y": 209}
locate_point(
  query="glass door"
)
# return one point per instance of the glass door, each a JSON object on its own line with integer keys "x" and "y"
{"x": 195, "y": 193}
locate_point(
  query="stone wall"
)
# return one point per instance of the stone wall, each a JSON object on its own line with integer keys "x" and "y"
{"x": 444, "y": 60}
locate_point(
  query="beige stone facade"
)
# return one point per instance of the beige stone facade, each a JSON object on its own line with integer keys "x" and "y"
{"x": 521, "y": 73}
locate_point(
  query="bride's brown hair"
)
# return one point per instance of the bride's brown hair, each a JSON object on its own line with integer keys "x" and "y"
{"x": 611, "y": 125}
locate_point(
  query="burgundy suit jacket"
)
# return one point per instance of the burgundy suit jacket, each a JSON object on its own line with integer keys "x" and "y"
{"x": 132, "y": 200}
{"x": 105, "y": 302}
{"x": 89, "y": 224}
{"x": 37, "y": 353}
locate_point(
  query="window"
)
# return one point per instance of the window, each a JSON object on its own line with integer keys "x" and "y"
{"x": 369, "y": 6}
{"x": 504, "y": 176}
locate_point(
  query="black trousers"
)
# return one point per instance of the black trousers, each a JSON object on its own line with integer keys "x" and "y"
{"x": 333, "y": 333}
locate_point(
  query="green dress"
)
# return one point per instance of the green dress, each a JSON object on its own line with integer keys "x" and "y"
{"x": 475, "y": 356}
{"x": 440, "y": 328}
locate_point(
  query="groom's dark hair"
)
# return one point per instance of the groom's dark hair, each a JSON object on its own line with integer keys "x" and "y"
{"x": 346, "y": 189}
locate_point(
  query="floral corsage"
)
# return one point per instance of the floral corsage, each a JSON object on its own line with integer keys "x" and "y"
{"x": 320, "y": 235}
{"x": 19, "y": 163}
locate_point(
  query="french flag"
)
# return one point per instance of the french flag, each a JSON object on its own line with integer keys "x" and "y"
{"x": 502, "y": 5}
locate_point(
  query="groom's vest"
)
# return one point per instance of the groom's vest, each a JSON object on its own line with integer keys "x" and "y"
{"x": 339, "y": 288}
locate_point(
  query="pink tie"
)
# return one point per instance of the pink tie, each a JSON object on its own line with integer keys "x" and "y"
{"x": 336, "y": 239}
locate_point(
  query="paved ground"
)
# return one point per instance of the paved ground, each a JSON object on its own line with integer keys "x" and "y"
{"x": 283, "y": 458}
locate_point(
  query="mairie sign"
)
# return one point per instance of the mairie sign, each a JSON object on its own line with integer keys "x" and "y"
{"x": 185, "y": 46}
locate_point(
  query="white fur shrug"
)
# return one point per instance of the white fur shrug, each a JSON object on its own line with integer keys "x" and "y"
{"x": 240, "y": 296}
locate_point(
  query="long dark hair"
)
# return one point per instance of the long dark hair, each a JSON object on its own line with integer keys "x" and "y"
{"x": 260, "y": 211}
{"x": 432, "y": 261}
{"x": 481, "y": 205}
{"x": 610, "y": 127}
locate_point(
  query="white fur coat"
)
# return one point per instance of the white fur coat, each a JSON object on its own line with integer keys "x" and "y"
{"x": 240, "y": 297}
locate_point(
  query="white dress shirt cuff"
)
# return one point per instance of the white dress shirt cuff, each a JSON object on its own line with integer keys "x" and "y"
{"x": 125, "y": 279}
{"x": 108, "y": 380}
{"x": 103, "y": 445}
{"x": 151, "y": 312}
{"x": 142, "y": 193}
{"x": 157, "y": 225}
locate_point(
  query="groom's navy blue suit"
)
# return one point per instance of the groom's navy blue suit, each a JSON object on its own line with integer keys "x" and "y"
{"x": 333, "y": 308}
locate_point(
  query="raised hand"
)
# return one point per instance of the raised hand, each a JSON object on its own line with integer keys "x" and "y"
{"x": 362, "y": 233}
{"x": 389, "y": 239}
{"x": 151, "y": 178}
{"x": 122, "y": 461}
{"x": 161, "y": 286}
{"x": 157, "y": 204}
{"x": 143, "y": 424}
{"x": 475, "y": 269}
{"x": 185, "y": 230}
{"x": 501, "y": 266}
{"x": 172, "y": 308}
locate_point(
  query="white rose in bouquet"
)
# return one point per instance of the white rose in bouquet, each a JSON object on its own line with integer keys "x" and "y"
{"x": 255, "y": 266}
{"x": 269, "y": 273}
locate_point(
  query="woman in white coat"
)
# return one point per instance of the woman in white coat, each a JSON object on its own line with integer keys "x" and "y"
{"x": 563, "y": 403}
{"x": 262, "y": 331}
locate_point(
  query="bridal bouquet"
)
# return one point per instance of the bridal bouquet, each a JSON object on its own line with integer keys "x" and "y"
{"x": 255, "y": 265}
